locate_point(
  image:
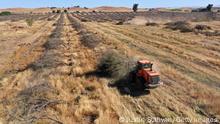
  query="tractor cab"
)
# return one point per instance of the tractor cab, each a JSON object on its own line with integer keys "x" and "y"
{"x": 144, "y": 64}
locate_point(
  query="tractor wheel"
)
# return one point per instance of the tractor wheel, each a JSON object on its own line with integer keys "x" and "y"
{"x": 127, "y": 90}
{"x": 131, "y": 77}
{"x": 140, "y": 83}
{"x": 129, "y": 85}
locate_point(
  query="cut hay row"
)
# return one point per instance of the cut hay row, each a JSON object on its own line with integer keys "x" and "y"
{"x": 123, "y": 16}
{"x": 184, "y": 27}
{"x": 30, "y": 102}
{"x": 87, "y": 38}
{"x": 177, "y": 71}
{"x": 105, "y": 16}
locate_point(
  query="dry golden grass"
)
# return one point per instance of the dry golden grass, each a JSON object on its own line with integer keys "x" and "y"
{"x": 55, "y": 84}
{"x": 185, "y": 69}
{"x": 76, "y": 97}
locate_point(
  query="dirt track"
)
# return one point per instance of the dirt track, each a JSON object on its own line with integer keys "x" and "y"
{"x": 48, "y": 78}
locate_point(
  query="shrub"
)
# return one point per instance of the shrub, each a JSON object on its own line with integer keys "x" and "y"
{"x": 53, "y": 11}
{"x": 29, "y": 21}
{"x": 5, "y": 13}
{"x": 112, "y": 65}
{"x": 58, "y": 11}
{"x": 65, "y": 11}
{"x": 135, "y": 7}
{"x": 182, "y": 26}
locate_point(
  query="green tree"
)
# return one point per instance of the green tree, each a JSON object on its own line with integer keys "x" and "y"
{"x": 135, "y": 7}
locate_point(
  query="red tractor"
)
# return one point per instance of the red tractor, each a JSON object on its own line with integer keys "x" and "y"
{"x": 143, "y": 77}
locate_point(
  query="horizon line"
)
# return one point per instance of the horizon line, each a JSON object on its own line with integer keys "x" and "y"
{"x": 104, "y": 6}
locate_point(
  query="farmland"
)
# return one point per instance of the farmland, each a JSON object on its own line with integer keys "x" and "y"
{"x": 46, "y": 70}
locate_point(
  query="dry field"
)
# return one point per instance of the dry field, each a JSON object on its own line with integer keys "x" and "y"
{"x": 46, "y": 71}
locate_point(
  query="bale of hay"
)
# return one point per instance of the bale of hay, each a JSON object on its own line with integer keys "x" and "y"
{"x": 182, "y": 26}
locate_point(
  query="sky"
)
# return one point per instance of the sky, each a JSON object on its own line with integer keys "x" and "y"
{"x": 95, "y": 3}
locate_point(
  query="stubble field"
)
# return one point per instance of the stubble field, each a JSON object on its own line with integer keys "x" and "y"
{"x": 45, "y": 71}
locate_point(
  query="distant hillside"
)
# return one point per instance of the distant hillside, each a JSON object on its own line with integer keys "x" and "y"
{"x": 109, "y": 8}
{"x": 38, "y": 10}
{"x": 26, "y": 10}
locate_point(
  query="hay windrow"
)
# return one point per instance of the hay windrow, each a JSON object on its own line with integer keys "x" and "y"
{"x": 182, "y": 26}
{"x": 87, "y": 38}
